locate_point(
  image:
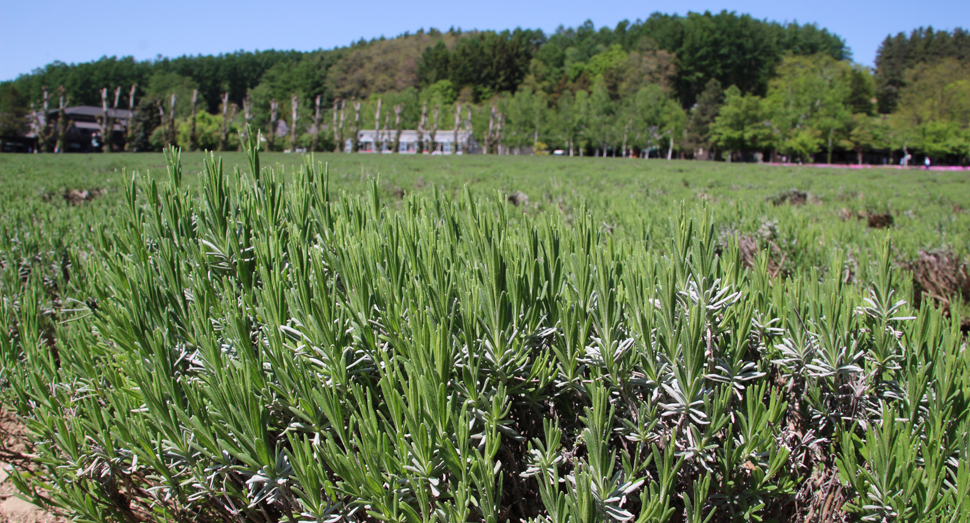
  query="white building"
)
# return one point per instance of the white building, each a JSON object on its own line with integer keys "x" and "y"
{"x": 444, "y": 142}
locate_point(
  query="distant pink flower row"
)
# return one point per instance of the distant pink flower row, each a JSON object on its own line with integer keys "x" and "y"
{"x": 856, "y": 166}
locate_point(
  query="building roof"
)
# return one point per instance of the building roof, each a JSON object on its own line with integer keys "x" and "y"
{"x": 93, "y": 111}
{"x": 95, "y": 127}
{"x": 411, "y": 135}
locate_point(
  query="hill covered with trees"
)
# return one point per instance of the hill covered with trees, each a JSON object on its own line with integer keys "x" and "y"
{"x": 703, "y": 85}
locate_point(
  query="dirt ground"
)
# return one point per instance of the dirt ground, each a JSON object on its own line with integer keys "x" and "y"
{"x": 12, "y": 453}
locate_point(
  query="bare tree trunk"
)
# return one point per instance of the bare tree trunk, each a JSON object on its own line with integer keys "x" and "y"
{"x": 333, "y": 128}
{"x": 491, "y": 129}
{"x": 223, "y": 130}
{"x": 271, "y": 136}
{"x": 294, "y": 104}
{"x": 355, "y": 145}
{"x": 535, "y": 136}
{"x": 626, "y": 133}
{"x": 45, "y": 131}
{"x": 387, "y": 132}
{"x": 455, "y": 149}
{"x": 109, "y": 138}
{"x": 499, "y": 124}
{"x": 247, "y": 114}
{"x": 35, "y": 125}
{"x": 434, "y": 128}
{"x": 397, "y": 125}
{"x": 232, "y": 116}
{"x": 316, "y": 125}
{"x": 421, "y": 127}
{"x": 377, "y": 125}
{"x": 105, "y": 119}
{"x": 63, "y": 124}
{"x": 468, "y": 129}
{"x": 161, "y": 111}
{"x": 193, "y": 142}
{"x": 342, "y": 143}
{"x": 171, "y": 121}
{"x": 226, "y": 122}
{"x": 829, "y": 157}
{"x": 131, "y": 107}
{"x": 670, "y": 149}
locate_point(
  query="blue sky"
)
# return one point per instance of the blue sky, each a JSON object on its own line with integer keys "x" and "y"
{"x": 32, "y": 35}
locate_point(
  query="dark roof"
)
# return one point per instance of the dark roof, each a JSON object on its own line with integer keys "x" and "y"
{"x": 94, "y": 111}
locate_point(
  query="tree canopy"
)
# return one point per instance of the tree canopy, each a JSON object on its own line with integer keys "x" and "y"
{"x": 705, "y": 84}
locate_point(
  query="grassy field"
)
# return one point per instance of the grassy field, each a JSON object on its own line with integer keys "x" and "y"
{"x": 383, "y": 338}
{"x": 930, "y": 211}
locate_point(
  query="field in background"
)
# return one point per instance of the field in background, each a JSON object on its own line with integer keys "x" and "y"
{"x": 796, "y": 213}
{"x": 929, "y": 210}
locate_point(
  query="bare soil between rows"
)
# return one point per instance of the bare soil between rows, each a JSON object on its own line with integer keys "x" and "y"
{"x": 15, "y": 453}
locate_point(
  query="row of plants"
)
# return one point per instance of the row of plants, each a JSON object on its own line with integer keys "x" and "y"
{"x": 263, "y": 347}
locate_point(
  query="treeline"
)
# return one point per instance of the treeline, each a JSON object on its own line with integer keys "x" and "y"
{"x": 899, "y": 55}
{"x": 703, "y": 85}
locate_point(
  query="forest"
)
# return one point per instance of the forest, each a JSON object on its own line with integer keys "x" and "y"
{"x": 705, "y": 86}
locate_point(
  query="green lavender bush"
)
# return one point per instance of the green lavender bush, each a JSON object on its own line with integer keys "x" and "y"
{"x": 261, "y": 347}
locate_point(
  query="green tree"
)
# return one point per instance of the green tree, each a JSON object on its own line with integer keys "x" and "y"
{"x": 899, "y": 54}
{"x": 649, "y": 105}
{"x": 142, "y": 125}
{"x": 600, "y": 128}
{"x": 674, "y": 123}
{"x": 868, "y": 132}
{"x": 862, "y": 90}
{"x": 442, "y": 91}
{"x": 741, "y": 124}
{"x": 808, "y": 100}
{"x": 572, "y": 114}
{"x": 647, "y": 64}
{"x": 702, "y": 115}
{"x": 208, "y": 131}
{"x": 163, "y": 84}
{"x": 600, "y": 64}
{"x": 735, "y": 49}
{"x": 13, "y": 111}
{"x": 934, "y": 108}
{"x": 434, "y": 64}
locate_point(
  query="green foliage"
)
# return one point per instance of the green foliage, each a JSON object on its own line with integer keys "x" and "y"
{"x": 702, "y": 115}
{"x": 434, "y": 65}
{"x": 809, "y": 103}
{"x": 163, "y": 85}
{"x": 599, "y": 64}
{"x": 797, "y": 80}
{"x": 13, "y": 111}
{"x": 208, "y": 131}
{"x": 442, "y": 91}
{"x": 934, "y": 110}
{"x": 897, "y": 55}
{"x": 735, "y": 50}
{"x": 254, "y": 346}
{"x": 741, "y": 122}
{"x": 143, "y": 124}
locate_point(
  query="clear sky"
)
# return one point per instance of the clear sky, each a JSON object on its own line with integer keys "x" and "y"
{"x": 33, "y": 35}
